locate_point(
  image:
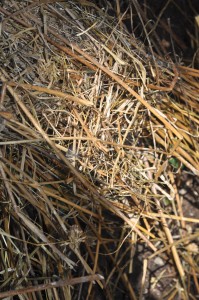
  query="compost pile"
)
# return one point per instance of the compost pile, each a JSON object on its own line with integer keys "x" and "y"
{"x": 95, "y": 130}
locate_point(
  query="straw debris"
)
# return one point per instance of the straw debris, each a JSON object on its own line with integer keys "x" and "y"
{"x": 95, "y": 129}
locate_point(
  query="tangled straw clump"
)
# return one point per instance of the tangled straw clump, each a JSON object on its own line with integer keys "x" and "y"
{"x": 94, "y": 127}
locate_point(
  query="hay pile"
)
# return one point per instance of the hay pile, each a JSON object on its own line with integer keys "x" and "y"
{"x": 94, "y": 130}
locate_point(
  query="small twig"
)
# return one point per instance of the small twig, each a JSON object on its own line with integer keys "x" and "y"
{"x": 51, "y": 285}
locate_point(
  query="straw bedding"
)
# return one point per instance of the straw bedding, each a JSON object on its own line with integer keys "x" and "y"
{"x": 94, "y": 130}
